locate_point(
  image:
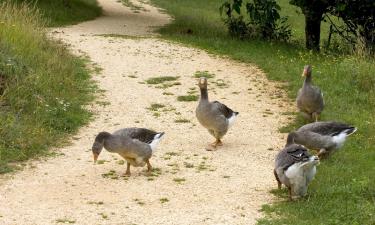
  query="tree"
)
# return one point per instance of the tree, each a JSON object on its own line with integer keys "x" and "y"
{"x": 359, "y": 19}
{"x": 313, "y": 11}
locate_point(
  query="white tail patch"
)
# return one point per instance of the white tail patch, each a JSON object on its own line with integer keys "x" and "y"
{"x": 156, "y": 141}
{"x": 339, "y": 139}
{"x": 232, "y": 119}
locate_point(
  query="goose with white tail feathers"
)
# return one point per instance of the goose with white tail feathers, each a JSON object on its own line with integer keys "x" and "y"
{"x": 135, "y": 145}
{"x": 216, "y": 117}
{"x": 325, "y": 137}
{"x": 295, "y": 168}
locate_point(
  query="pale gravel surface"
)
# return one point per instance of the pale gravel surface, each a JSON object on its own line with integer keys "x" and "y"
{"x": 239, "y": 174}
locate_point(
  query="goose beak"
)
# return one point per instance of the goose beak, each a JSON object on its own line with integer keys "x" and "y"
{"x": 304, "y": 74}
{"x": 95, "y": 157}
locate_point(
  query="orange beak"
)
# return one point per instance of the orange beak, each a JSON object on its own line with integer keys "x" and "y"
{"x": 95, "y": 157}
{"x": 304, "y": 74}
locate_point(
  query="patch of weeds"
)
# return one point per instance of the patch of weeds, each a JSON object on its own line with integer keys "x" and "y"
{"x": 121, "y": 162}
{"x": 160, "y": 80}
{"x": 95, "y": 203}
{"x": 132, "y": 76}
{"x": 163, "y": 200}
{"x": 226, "y": 176}
{"x": 65, "y": 220}
{"x": 206, "y": 74}
{"x": 100, "y": 162}
{"x": 187, "y": 98}
{"x": 188, "y": 165}
{"x": 102, "y": 103}
{"x": 179, "y": 180}
{"x": 111, "y": 174}
{"x": 172, "y": 153}
{"x": 135, "y": 8}
{"x": 156, "y": 114}
{"x": 167, "y": 93}
{"x": 139, "y": 202}
{"x": 155, "y": 172}
{"x": 221, "y": 83}
{"x": 121, "y": 36}
{"x": 155, "y": 107}
{"x": 167, "y": 85}
{"x": 104, "y": 216}
{"x": 182, "y": 121}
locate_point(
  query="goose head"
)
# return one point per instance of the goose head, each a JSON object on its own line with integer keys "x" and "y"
{"x": 307, "y": 71}
{"x": 292, "y": 136}
{"x": 202, "y": 83}
{"x": 99, "y": 144}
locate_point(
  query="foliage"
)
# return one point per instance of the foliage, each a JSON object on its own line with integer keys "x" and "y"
{"x": 45, "y": 88}
{"x": 359, "y": 21}
{"x": 264, "y": 20}
{"x": 64, "y": 12}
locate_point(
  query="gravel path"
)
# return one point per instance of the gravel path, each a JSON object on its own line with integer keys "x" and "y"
{"x": 191, "y": 186}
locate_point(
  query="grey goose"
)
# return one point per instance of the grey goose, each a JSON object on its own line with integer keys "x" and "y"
{"x": 216, "y": 117}
{"x": 135, "y": 145}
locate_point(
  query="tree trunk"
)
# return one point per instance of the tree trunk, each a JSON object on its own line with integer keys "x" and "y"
{"x": 312, "y": 29}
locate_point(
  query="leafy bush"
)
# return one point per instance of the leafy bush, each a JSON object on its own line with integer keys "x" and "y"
{"x": 264, "y": 20}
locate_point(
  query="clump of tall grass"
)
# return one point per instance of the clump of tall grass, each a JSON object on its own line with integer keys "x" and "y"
{"x": 44, "y": 87}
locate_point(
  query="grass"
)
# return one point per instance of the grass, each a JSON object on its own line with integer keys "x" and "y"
{"x": 46, "y": 88}
{"x": 66, "y": 221}
{"x": 160, "y": 80}
{"x": 57, "y": 14}
{"x": 181, "y": 120}
{"x": 205, "y": 74}
{"x": 135, "y": 8}
{"x": 179, "y": 180}
{"x": 163, "y": 200}
{"x": 155, "y": 107}
{"x": 187, "y": 98}
{"x": 343, "y": 191}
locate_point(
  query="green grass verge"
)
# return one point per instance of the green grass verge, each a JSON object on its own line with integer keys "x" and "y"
{"x": 343, "y": 191}
{"x": 43, "y": 87}
{"x": 56, "y": 13}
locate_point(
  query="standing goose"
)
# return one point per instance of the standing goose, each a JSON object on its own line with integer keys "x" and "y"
{"x": 214, "y": 116}
{"x": 135, "y": 145}
{"x": 326, "y": 137}
{"x": 309, "y": 98}
{"x": 295, "y": 168}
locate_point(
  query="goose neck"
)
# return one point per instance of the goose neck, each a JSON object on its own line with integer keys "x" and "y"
{"x": 204, "y": 94}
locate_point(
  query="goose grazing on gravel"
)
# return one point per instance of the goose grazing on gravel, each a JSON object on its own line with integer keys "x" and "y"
{"x": 326, "y": 137}
{"x": 309, "y": 98}
{"x": 135, "y": 145}
{"x": 295, "y": 168}
{"x": 214, "y": 116}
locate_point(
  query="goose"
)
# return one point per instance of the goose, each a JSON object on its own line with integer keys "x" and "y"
{"x": 295, "y": 168}
{"x": 135, "y": 145}
{"x": 216, "y": 117}
{"x": 309, "y": 98}
{"x": 326, "y": 137}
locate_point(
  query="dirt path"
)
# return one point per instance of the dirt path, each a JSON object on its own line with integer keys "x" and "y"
{"x": 193, "y": 186}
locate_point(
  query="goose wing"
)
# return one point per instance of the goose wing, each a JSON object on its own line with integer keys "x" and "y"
{"x": 290, "y": 155}
{"x": 142, "y": 134}
{"x": 223, "y": 109}
{"x": 330, "y": 128}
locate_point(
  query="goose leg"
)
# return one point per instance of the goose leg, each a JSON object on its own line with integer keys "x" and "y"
{"x": 219, "y": 143}
{"x": 127, "y": 173}
{"x": 149, "y": 167}
{"x": 315, "y": 116}
{"x": 290, "y": 193}
{"x": 277, "y": 179}
{"x": 212, "y": 146}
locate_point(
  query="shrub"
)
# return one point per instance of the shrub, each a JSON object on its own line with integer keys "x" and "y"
{"x": 264, "y": 20}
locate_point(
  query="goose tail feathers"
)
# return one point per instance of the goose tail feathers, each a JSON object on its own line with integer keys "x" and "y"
{"x": 154, "y": 143}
